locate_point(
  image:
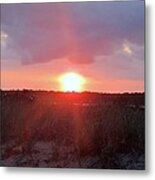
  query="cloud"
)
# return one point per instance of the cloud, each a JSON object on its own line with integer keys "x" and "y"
{"x": 3, "y": 38}
{"x": 79, "y": 31}
{"x": 127, "y": 49}
{"x": 127, "y": 63}
{"x": 80, "y": 58}
{"x": 10, "y": 57}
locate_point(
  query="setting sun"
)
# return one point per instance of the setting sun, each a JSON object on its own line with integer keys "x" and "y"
{"x": 71, "y": 82}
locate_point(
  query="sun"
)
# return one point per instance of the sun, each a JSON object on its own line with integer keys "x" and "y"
{"x": 72, "y": 81}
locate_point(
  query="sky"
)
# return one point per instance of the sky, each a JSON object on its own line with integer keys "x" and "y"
{"x": 101, "y": 41}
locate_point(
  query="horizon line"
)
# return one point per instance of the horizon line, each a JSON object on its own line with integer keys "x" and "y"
{"x": 78, "y": 92}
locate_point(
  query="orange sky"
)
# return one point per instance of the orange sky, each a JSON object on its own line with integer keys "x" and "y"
{"x": 40, "y": 76}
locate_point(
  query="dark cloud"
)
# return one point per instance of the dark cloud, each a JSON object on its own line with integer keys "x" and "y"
{"x": 79, "y": 31}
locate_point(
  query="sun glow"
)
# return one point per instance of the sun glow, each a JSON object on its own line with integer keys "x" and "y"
{"x": 72, "y": 82}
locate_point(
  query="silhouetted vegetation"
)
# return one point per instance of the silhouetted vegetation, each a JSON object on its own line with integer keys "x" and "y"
{"x": 87, "y": 130}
